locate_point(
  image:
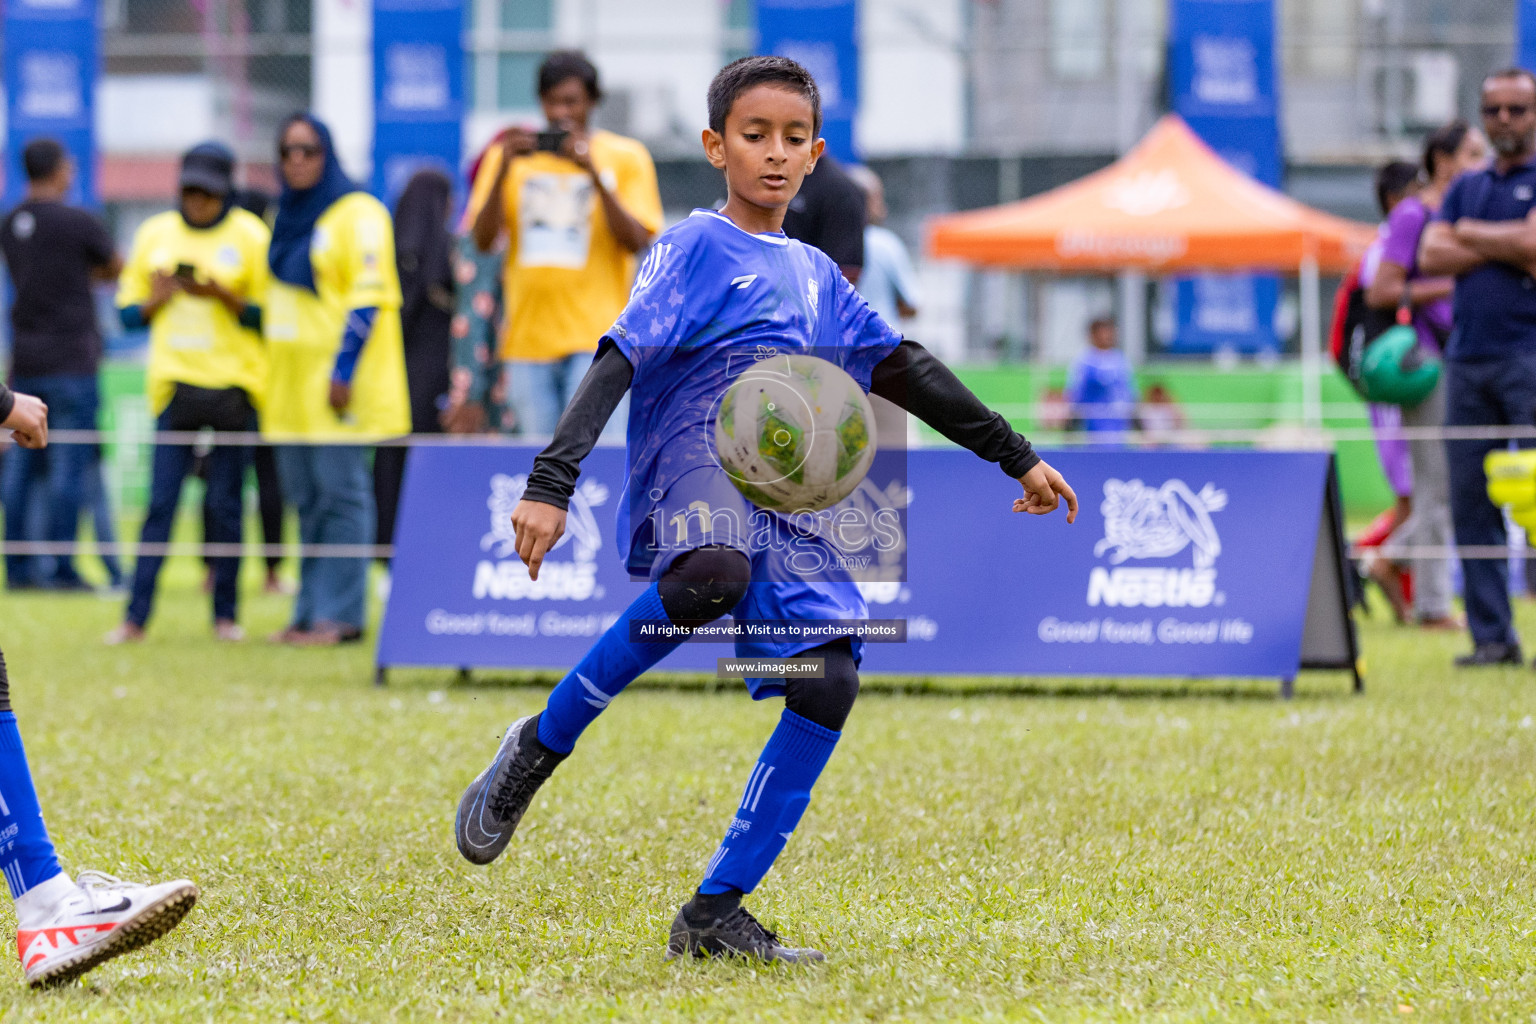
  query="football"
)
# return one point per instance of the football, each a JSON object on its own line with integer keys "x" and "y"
{"x": 795, "y": 433}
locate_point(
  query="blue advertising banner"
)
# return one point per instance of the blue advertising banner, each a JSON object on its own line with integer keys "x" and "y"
{"x": 1180, "y": 564}
{"x": 418, "y": 90}
{"x": 1221, "y": 69}
{"x": 824, "y": 36}
{"x": 51, "y": 66}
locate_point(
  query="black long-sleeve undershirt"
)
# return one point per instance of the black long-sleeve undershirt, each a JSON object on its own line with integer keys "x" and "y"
{"x": 917, "y": 381}
{"x": 553, "y": 479}
{"x": 7, "y": 402}
{"x": 911, "y": 377}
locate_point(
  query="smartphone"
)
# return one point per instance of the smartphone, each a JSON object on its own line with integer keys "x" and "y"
{"x": 550, "y": 141}
{"x": 186, "y": 271}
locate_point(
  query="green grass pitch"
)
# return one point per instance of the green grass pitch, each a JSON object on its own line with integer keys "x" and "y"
{"x": 1085, "y": 851}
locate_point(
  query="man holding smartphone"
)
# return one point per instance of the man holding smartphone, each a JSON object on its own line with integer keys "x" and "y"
{"x": 195, "y": 278}
{"x": 576, "y": 206}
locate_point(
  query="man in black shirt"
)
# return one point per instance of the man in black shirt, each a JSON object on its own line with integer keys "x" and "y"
{"x": 54, "y": 253}
{"x": 828, "y": 213}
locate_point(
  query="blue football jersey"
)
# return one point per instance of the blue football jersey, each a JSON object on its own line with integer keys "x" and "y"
{"x": 708, "y": 300}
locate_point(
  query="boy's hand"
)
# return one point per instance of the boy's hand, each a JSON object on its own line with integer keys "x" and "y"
{"x": 1043, "y": 490}
{"x": 28, "y": 421}
{"x": 536, "y": 526}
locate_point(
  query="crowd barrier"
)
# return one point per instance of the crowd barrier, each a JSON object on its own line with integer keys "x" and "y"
{"x": 1310, "y": 437}
{"x": 1181, "y": 563}
{"x": 1136, "y": 443}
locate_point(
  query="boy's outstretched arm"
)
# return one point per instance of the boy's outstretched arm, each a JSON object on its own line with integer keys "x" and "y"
{"x": 915, "y": 379}
{"x": 539, "y": 518}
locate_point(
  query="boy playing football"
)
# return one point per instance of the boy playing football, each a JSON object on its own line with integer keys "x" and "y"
{"x": 715, "y": 289}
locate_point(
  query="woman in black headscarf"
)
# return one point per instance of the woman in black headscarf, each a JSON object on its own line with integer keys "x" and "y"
{"x": 424, "y": 254}
{"x": 336, "y": 372}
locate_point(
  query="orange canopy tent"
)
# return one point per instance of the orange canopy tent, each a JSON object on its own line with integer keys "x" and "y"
{"x": 1169, "y": 205}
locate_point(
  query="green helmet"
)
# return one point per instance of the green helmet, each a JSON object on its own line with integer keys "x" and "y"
{"x": 1396, "y": 370}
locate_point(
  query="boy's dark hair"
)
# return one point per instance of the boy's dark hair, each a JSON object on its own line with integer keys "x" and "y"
{"x": 740, "y": 75}
{"x": 1100, "y": 321}
{"x": 1442, "y": 143}
{"x": 41, "y": 158}
{"x": 1394, "y": 179}
{"x": 560, "y": 65}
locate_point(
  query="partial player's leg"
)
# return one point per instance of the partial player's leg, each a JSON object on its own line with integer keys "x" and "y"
{"x": 65, "y": 927}
{"x": 698, "y": 587}
{"x": 714, "y": 923}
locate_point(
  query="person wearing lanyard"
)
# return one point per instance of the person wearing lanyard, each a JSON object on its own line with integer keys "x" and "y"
{"x": 1485, "y": 236}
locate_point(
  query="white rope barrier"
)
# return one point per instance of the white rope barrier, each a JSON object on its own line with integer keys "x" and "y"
{"x": 252, "y": 439}
{"x": 1407, "y": 553}
{"x": 1290, "y": 434}
{"x": 1421, "y": 552}
{"x": 233, "y": 550}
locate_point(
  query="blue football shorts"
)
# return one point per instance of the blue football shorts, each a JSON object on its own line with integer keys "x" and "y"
{"x": 796, "y": 575}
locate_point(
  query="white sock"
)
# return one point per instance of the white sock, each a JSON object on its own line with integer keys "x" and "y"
{"x": 34, "y": 906}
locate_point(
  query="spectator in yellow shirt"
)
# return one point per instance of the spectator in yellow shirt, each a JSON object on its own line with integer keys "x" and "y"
{"x": 194, "y": 277}
{"x": 576, "y": 206}
{"x": 336, "y": 378}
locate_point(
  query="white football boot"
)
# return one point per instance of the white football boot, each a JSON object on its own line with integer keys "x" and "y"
{"x": 95, "y": 919}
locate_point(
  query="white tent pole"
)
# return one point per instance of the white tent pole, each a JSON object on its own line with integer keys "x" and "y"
{"x": 1133, "y": 315}
{"x": 1311, "y": 345}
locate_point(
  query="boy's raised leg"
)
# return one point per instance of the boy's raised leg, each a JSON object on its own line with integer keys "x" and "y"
{"x": 494, "y": 803}
{"x": 699, "y": 586}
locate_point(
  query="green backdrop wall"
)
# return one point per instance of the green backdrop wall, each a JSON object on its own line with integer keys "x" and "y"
{"x": 1246, "y": 397}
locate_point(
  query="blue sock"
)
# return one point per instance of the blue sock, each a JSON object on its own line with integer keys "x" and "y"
{"x": 612, "y": 664}
{"x": 26, "y": 852}
{"x": 778, "y": 792}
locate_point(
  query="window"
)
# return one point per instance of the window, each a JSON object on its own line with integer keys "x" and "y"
{"x": 527, "y": 15}
{"x": 1320, "y": 37}
{"x": 739, "y": 30}
{"x": 1149, "y": 24}
{"x": 1079, "y": 34}
{"x": 516, "y": 80}
{"x": 509, "y": 40}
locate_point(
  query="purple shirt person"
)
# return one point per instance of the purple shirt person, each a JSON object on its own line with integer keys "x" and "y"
{"x": 1400, "y": 247}
{"x": 1391, "y": 449}
{"x": 1449, "y": 152}
{"x": 1398, "y": 280}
